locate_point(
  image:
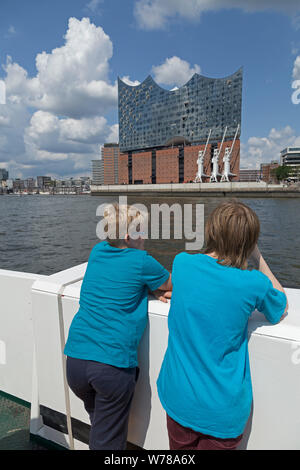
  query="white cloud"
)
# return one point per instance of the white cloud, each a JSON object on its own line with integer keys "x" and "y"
{"x": 72, "y": 80}
{"x": 93, "y": 5}
{"x": 86, "y": 130}
{"x": 15, "y": 81}
{"x": 11, "y": 31}
{"x": 127, "y": 80}
{"x": 296, "y": 69}
{"x": 70, "y": 95}
{"x": 264, "y": 149}
{"x": 4, "y": 121}
{"x": 155, "y": 14}
{"x": 296, "y": 22}
{"x": 174, "y": 71}
{"x": 113, "y": 135}
{"x": 50, "y": 138}
{"x": 294, "y": 48}
{"x": 14, "y": 117}
{"x": 76, "y": 75}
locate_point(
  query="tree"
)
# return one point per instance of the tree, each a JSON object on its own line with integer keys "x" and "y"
{"x": 281, "y": 172}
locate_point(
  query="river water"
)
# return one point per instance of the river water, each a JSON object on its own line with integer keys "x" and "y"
{"x": 46, "y": 234}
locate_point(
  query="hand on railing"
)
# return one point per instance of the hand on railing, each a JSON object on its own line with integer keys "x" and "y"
{"x": 163, "y": 296}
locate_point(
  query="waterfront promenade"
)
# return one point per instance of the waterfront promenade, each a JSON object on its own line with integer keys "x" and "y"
{"x": 230, "y": 189}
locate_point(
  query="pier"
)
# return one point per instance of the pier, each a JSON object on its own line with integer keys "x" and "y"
{"x": 226, "y": 189}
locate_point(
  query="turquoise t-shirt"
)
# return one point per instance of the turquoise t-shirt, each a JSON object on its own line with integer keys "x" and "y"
{"x": 114, "y": 305}
{"x": 204, "y": 382}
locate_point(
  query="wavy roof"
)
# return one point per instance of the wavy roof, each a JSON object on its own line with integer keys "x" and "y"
{"x": 197, "y": 75}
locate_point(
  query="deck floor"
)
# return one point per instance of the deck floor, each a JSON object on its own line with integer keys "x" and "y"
{"x": 14, "y": 427}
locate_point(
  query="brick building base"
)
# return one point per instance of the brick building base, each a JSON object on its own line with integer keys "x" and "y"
{"x": 142, "y": 167}
{"x": 167, "y": 164}
{"x": 123, "y": 168}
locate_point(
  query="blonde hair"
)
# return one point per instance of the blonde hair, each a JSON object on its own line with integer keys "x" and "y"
{"x": 119, "y": 218}
{"x": 231, "y": 232}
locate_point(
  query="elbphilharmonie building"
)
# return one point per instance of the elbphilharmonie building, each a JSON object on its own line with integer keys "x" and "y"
{"x": 180, "y": 135}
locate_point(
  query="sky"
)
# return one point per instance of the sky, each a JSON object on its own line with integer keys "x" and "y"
{"x": 60, "y": 60}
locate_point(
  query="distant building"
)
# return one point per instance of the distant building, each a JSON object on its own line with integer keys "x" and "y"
{"x": 290, "y": 156}
{"x": 161, "y": 132}
{"x": 59, "y": 183}
{"x": 18, "y": 185}
{"x": 69, "y": 185}
{"x": 85, "y": 180}
{"x": 3, "y": 174}
{"x": 110, "y": 156}
{"x": 249, "y": 175}
{"x": 30, "y": 184}
{"x": 43, "y": 181}
{"x": 106, "y": 169}
{"x": 97, "y": 172}
{"x": 9, "y": 184}
{"x": 267, "y": 171}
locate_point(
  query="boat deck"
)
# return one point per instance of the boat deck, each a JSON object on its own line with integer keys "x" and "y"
{"x": 37, "y": 404}
{"x": 14, "y": 428}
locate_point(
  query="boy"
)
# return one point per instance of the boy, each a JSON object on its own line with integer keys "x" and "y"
{"x": 105, "y": 333}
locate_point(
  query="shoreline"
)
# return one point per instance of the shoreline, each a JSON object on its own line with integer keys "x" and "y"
{"x": 231, "y": 189}
{"x": 45, "y": 194}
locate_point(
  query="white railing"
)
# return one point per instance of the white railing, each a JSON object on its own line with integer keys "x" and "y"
{"x": 36, "y": 312}
{"x": 16, "y": 333}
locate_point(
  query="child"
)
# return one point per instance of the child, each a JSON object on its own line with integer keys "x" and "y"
{"x": 106, "y": 331}
{"x": 204, "y": 384}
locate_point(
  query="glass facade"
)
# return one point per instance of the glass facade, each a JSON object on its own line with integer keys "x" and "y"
{"x": 3, "y": 174}
{"x": 150, "y": 116}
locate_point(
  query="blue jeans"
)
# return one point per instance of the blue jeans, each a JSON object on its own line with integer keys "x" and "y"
{"x": 107, "y": 393}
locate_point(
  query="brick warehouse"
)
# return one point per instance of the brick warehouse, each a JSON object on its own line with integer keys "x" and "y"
{"x": 167, "y": 165}
{"x": 161, "y": 132}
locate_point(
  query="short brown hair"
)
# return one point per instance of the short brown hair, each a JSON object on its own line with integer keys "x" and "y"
{"x": 231, "y": 232}
{"x": 115, "y": 215}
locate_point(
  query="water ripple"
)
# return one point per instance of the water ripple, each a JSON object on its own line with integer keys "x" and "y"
{"x": 47, "y": 234}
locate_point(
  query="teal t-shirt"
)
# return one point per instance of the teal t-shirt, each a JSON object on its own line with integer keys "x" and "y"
{"x": 114, "y": 305}
{"x": 204, "y": 382}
